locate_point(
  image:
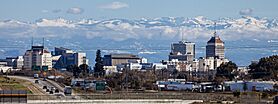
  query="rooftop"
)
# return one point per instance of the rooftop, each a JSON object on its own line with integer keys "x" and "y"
{"x": 215, "y": 39}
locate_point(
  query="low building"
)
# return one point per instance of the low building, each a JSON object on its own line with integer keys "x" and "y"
{"x": 116, "y": 59}
{"x": 159, "y": 66}
{"x": 142, "y": 66}
{"x": 15, "y": 62}
{"x": 175, "y": 64}
{"x": 4, "y": 69}
{"x": 110, "y": 69}
{"x": 3, "y": 62}
{"x": 18, "y": 63}
{"x": 249, "y": 85}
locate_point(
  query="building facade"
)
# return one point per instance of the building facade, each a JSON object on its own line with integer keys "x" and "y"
{"x": 210, "y": 63}
{"x": 117, "y": 59}
{"x": 215, "y": 47}
{"x": 15, "y": 62}
{"x": 37, "y": 58}
{"x": 67, "y": 57}
{"x": 183, "y": 51}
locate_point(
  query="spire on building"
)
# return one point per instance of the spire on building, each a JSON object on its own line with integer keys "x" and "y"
{"x": 214, "y": 33}
{"x": 181, "y": 33}
{"x": 32, "y": 41}
{"x": 43, "y": 41}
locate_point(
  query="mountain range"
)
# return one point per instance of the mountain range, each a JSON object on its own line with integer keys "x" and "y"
{"x": 246, "y": 38}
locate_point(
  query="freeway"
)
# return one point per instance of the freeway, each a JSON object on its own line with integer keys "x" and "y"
{"x": 42, "y": 83}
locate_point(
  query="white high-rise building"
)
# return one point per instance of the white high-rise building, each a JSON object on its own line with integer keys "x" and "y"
{"x": 37, "y": 58}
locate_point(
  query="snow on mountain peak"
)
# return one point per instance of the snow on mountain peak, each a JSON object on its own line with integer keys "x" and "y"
{"x": 60, "y": 22}
{"x": 166, "y": 27}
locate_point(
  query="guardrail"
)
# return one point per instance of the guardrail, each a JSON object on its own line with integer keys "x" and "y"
{"x": 13, "y": 96}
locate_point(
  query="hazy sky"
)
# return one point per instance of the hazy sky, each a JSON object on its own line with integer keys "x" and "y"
{"x": 31, "y": 10}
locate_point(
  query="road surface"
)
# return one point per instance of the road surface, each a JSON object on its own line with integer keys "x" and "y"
{"x": 42, "y": 83}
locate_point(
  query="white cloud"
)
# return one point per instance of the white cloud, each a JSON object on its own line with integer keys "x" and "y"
{"x": 45, "y": 11}
{"x": 56, "y": 11}
{"x": 75, "y": 10}
{"x": 247, "y": 11}
{"x": 114, "y": 5}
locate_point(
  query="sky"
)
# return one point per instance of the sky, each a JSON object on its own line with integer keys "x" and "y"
{"x": 31, "y": 10}
{"x": 243, "y": 25}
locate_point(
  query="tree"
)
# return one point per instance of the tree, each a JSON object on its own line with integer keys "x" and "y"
{"x": 98, "y": 69}
{"x": 85, "y": 69}
{"x": 2, "y": 72}
{"x": 227, "y": 70}
{"x": 266, "y": 68}
{"x": 74, "y": 69}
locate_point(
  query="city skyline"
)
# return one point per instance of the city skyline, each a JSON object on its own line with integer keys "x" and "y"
{"x": 122, "y": 22}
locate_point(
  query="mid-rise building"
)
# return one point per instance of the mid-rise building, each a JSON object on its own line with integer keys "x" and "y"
{"x": 206, "y": 64}
{"x": 37, "y": 58}
{"x": 210, "y": 63}
{"x": 175, "y": 64}
{"x": 65, "y": 57}
{"x": 183, "y": 51}
{"x": 215, "y": 47}
{"x": 15, "y": 62}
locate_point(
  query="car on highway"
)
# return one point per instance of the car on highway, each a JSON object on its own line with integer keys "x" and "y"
{"x": 44, "y": 79}
{"x": 275, "y": 100}
{"x": 36, "y": 81}
{"x": 36, "y": 76}
{"x": 52, "y": 88}
{"x": 50, "y": 92}
{"x": 44, "y": 87}
{"x": 56, "y": 91}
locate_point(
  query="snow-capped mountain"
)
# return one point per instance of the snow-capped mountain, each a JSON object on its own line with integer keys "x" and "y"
{"x": 165, "y": 27}
{"x": 197, "y": 22}
{"x": 147, "y": 37}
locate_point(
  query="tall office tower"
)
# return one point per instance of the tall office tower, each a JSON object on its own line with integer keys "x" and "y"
{"x": 215, "y": 47}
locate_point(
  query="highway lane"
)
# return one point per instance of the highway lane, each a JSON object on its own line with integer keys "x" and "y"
{"x": 42, "y": 83}
{"x": 36, "y": 89}
{"x": 48, "y": 83}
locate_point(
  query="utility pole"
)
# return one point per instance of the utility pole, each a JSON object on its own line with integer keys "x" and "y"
{"x": 126, "y": 79}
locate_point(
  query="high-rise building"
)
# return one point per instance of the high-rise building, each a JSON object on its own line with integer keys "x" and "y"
{"x": 37, "y": 58}
{"x": 215, "y": 47}
{"x": 183, "y": 51}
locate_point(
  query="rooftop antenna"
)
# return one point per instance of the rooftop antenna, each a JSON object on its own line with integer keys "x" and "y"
{"x": 32, "y": 41}
{"x": 182, "y": 34}
{"x": 214, "y": 33}
{"x": 43, "y": 41}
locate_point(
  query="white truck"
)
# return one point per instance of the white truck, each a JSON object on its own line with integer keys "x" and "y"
{"x": 36, "y": 76}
